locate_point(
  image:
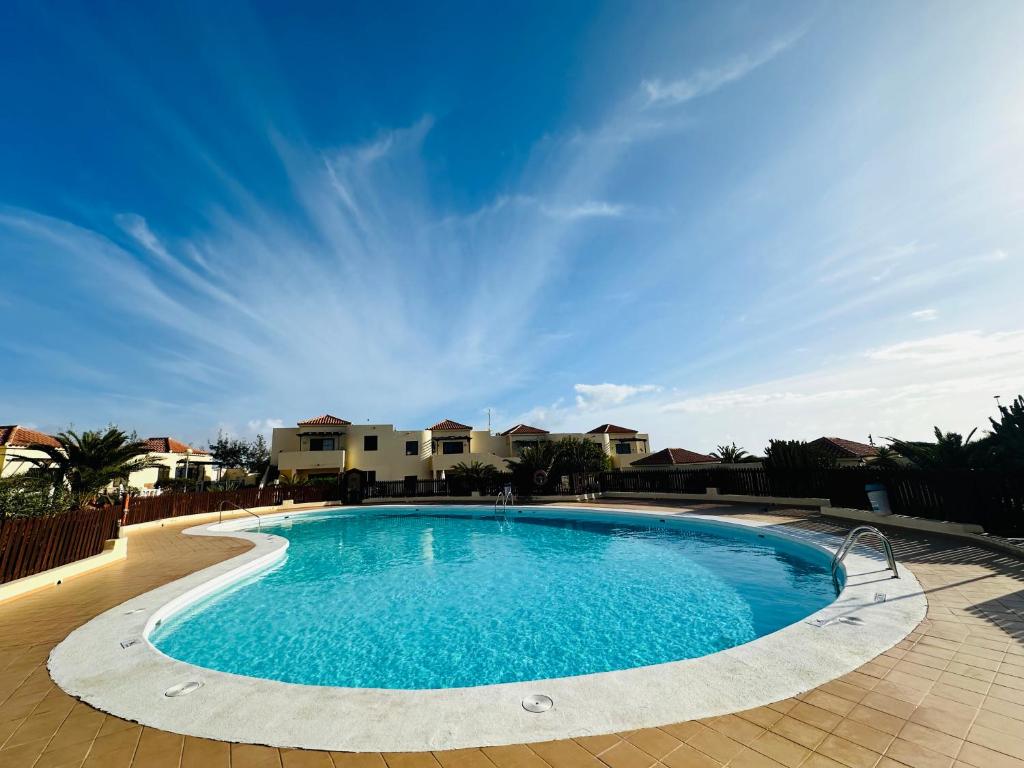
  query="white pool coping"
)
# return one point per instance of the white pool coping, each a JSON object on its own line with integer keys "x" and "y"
{"x": 129, "y": 682}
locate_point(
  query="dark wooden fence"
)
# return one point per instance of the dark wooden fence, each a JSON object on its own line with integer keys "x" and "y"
{"x": 401, "y": 489}
{"x": 991, "y": 499}
{"x": 148, "y": 508}
{"x": 31, "y": 545}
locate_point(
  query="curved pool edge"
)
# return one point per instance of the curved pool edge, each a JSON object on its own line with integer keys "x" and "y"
{"x": 129, "y": 682}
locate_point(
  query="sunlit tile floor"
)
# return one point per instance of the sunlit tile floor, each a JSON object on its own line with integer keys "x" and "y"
{"x": 952, "y": 693}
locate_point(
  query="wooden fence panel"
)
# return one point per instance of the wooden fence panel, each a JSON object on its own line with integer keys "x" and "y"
{"x": 31, "y": 545}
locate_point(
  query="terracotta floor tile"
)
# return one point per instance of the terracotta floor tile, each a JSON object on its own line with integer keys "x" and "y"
{"x": 735, "y": 727}
{"x": 999, "y": 741}
{"x": 780, "y": 749}
{"x": 358, "y": 760}
{"x": 983, "y": 757}
{"x": 915, "y": 756}
{"x": 304, "y": 758}
{"x": 762, "y": 716}
{"x": 931, "y": 739}
{"x": 654, "y": 742}
{"x": 254, "y": 756}
{"x": 848, "y": 753}
{"x": 470, "y": 758}
{"x": 864, "y": 735}
{"x": 943, "y": 720}
{"x": 564, "y": 754}
{"x": 815, "y": 716}
{"x": 596, "y": 745}
{"x": 750, "y": 758}
{"x": 685, "y": 756}
{"x": 715, "y": 745}
{"x": 799, "y": 732}
{"x": 684, "y": 731}
{"x": 876, "y": 719}
{"x": 204, "y": 753}
{"x": 427, "y": 760}
{"x": 625, "y": 755}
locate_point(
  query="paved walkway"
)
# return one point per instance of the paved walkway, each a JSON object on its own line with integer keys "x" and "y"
{"x": 952, "y": 693}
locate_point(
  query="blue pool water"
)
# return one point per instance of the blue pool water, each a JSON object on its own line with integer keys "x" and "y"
{"x": 438, "y": 600}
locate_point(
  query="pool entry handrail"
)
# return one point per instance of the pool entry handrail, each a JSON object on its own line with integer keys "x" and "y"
{"x": 220, "y": 510}
{"x": 851, "y": 540}
{"x": 504, "y": 498}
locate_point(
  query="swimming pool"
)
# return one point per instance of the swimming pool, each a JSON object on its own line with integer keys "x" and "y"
{"x": 452, "y": 597}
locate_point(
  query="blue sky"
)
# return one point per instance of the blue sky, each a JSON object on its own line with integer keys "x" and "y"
{"x": 713, "y": 222}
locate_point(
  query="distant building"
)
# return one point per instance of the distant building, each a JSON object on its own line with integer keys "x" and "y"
{"x": 14, "y": 442}
{"x": 175, "y": 459}
{"x": 845, "y": 452}
{"x": 667, "y": 458}
{"x": 326, "y": 446}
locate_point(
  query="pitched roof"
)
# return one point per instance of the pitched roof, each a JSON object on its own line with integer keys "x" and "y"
{"x": 14, "y": 435}
{"x": 611, "y": 429}
{"x": 844, "y": 449}
{"x": 525, "y": 429}
{"x": 326, "y": 420}
{"x": 668, "y": 456}
{"x": 170, "y": 445}
{"x": 448, "y": 424}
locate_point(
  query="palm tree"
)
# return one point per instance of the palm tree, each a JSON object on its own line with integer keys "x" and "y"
{"x": 476, "y": 475}
{"x": 796, "y": 454}
{"x": 575, "y": 454}
{"x": 89, "y": 462}
{"x": 730, "y": 454}
{"x": 1003, "y": 446}
{"x": 949, "y": 451}
{"x": 535, "y": 462}
{"x": 885, "y": 458}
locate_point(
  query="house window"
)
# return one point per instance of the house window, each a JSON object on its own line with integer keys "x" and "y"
{"x": 163, "y": 473}
{"x": 321, "y": 443}
{"x": 369, "y": 442}
{"x": 453, "y": 447}
{"x": 623, "y": 448}
{"x": 412, "y": 448}
{"x": 371, "y": 475}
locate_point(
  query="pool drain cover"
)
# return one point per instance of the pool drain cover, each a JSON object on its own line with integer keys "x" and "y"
{"x": 538, "y": 702}
{"x": 183, "y": 689}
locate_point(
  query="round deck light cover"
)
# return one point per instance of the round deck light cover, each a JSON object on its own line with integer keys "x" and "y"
{"x": 537, "y": 703}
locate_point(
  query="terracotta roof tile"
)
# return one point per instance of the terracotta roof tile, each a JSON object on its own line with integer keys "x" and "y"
{"x": 448, "y": 425}
{"x": 525, "y": 429}
{"x": 611, "y": 429}
{"x": 18, "y": 436}
{"x": 170, "y": 445}
{"x": 844, "y": 449}
{"x": 326, "y": 420}
{"x": 667, "y": 456}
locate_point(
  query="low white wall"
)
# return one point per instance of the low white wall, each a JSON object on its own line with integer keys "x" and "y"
{"x": 113, "y": 550}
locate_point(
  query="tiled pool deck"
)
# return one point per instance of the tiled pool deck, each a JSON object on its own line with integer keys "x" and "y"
{"x": 951, "y": 693}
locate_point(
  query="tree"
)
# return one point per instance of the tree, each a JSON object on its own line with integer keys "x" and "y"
{"x": 949, "y": 451}
{"x": 575, "y": 454}
{"x": 885, "y": 458}
{"x": 730, "y": 454}
{"x": 796, "y": 454}
{"x": 535, "y": 461}
{"x": 255, "y": 455}
{"x": 1003, "y": 446}
{"x": 477, "y": 475}
{"x": 228, "y": 453}
{"x": 89, "y": 462}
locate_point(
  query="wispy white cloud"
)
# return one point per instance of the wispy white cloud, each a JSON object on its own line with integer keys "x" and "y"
{"x": 596, "y": 396}
{"x": 708, "y": 80}
{"x": 925, "y": 314}
{"x": 589, "y": 210}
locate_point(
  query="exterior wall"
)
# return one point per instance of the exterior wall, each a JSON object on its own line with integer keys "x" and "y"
{"x": 289, "y": 450}
{"x": 147, "y": 478}
{"x": 10, "y": 463}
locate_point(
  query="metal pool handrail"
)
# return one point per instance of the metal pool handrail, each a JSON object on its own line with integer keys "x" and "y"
{"x": 220, "y": 516}
{"x": 851, "y": 540}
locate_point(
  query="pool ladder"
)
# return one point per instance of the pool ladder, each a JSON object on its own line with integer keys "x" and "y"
{"x": 504, "y": 498}
{"x": 220, "y": 516}
{"x": 850, "y": 542}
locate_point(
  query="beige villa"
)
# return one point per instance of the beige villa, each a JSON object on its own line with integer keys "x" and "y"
{"x": 171, "y": 458}
{"x": 326, "y": 446}
{"x": 14, "y": 448}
